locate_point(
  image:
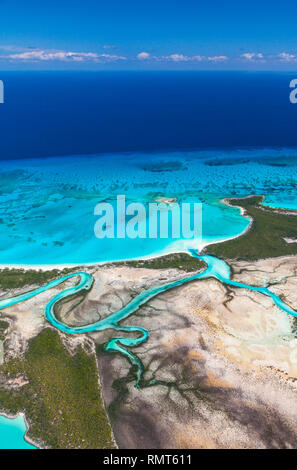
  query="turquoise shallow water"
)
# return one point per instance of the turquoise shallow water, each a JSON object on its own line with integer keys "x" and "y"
{"x": 12, "y": 433}
{"x": 47, "y": 206}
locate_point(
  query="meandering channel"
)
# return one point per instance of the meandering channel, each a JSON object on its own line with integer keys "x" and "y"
{"x": 216, "y": 268}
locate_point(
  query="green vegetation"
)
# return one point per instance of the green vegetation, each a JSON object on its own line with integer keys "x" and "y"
{"x": 182, "y": 261}
{"x": 62, "y": 400}
{"x": 14, "y": 278}
{"x": 3, "y": 327}
{"x": 265, "y": 238}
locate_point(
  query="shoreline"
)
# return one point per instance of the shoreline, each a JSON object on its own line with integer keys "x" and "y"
{"x": 162, "y": 253}
{"x": 201, "y": 249}
{"x": 25, "y": 437}
{"x": 242, "y": 213}
{"x": 49, "y": 267}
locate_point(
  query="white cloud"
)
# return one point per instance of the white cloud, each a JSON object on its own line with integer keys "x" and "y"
{"x": 12, "y": 53}
{"x": 37, "y": 55}
{"x": 143, "y": 56}
{"x": 286, "y": 57}
{"x": 217, "y": 58}
{"x": 110, "y": 57}
{"x": 56, "y": 55}
{"x": 178, "y": 58}
{"x": 252, "y": 56}
{"x": 194, "y": 58}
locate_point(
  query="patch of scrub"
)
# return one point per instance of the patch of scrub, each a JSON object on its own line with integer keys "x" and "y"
{"x": 266, "y": 237}
{"x": 62, "y": 398}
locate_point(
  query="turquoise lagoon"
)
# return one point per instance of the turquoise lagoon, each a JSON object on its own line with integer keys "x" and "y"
{"x": 47, "y": 205}
{"x": 12, "y": 433}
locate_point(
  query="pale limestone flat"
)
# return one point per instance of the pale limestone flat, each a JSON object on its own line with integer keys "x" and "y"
{"x": 227, "y": 357}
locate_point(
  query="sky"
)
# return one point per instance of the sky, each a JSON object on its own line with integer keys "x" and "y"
{"x": 148, "y": 35}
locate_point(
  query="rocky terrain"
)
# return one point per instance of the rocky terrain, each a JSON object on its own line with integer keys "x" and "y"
{"x": 224, "y": 359}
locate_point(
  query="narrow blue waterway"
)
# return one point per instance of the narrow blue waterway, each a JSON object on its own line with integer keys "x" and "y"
{"x": 11, "y": 430}
{"x": 216, "y": 268}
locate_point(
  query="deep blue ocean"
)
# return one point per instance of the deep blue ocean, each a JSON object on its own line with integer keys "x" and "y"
{"x": 193, "y": 136}
{"x": 67, "y": 113}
